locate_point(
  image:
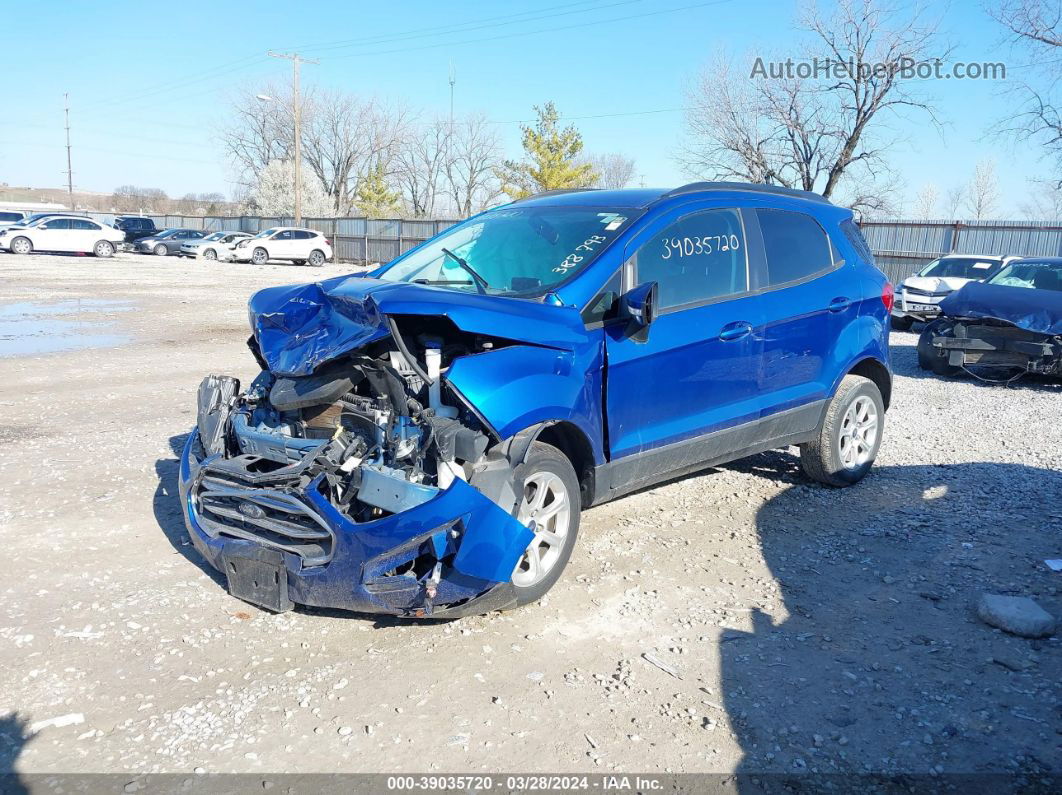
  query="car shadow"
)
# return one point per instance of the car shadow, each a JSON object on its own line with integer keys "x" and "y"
{"x": 14, "y": 737}
{"x": 874, "y": 661}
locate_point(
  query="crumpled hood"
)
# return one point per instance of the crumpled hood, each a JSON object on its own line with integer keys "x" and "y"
{"x": 300, "y": 327}
{"x": 1030, "y": 309}
{"x": 935, "y": 284}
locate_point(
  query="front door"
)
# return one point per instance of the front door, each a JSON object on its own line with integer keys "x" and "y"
{"x": 696, "y": 372}
{"x": 53, "y": 235}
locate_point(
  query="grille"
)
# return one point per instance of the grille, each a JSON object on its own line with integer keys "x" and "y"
{"x": 270, "y": 517}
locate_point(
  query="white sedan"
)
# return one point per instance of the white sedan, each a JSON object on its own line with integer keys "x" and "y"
{"x": 62, "y": 233}
{"x": 219, "y": 245}
{"x": 285, "y": 242}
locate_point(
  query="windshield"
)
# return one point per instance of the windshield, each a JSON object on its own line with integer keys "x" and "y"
{"x": 961, "y": 268}
{"x": 215, "y": 236}
{"x": 266, "y": 233}
{"x": 519, "y": 251}
{"x": 1037, "y": 275}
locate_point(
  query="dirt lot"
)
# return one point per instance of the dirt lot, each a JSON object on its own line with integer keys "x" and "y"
{"x": 811, "y": 629}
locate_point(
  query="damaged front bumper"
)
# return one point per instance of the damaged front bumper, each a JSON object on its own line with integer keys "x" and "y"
{"x": 452, "y": 554}
{"x": 971, "y": 343}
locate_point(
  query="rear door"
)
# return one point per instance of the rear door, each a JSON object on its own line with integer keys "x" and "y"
{"x": 84, "y": 234}
{"x": 696, "y": 372}
{"x": 809, "y": 296}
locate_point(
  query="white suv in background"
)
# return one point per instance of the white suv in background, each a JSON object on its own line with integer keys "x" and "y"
{"x": 918, "y": 297}
{"x": 285, "y": 242}
{"x": 62, "y": 233}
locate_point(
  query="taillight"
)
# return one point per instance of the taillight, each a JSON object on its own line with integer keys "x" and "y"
{"x": 328, "y": 242}
{"x": 888, "y": 296}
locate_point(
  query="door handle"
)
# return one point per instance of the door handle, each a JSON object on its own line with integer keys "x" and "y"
{"x": 839, "y": 304}
{"x": 735, "y": 331}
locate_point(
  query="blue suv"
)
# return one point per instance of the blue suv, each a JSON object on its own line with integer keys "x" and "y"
{"x": 422, "y": 439}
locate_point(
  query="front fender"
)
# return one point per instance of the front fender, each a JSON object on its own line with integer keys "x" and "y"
{"x": 515, "y": 387}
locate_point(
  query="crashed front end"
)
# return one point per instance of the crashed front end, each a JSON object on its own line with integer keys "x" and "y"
{"x": 349, "y": 474}
{"x": 1002, "y": 328}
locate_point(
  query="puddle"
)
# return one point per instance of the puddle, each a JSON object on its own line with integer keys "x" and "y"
{"x": 29, "y": 328}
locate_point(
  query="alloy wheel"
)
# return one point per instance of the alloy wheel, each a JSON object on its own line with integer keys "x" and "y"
{"x": 859, "y": 432}
{"x": 544, "y": 508}
{"x": 210, "y": 254}
{"x": 259, "y": 256}
{"x": 21, "y": 245}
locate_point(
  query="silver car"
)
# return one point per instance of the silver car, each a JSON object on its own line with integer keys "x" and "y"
{"x": 217, "y": 245}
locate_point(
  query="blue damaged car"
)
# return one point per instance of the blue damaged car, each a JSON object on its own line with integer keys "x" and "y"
{"x": 421, "y": 439}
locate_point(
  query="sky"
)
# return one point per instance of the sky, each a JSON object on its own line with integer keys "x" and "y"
{"x": 148, "y": 89}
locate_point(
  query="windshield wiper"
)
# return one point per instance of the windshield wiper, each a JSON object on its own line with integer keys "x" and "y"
{"x": 481, "y": 283}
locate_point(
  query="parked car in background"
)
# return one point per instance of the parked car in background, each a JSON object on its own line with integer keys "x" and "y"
{"x": 217, "y": 245}
{"x": 135, "y": 227}
{"x": 421, "y": 440}
{"x": 1009, "y": 326}
{"x": 38, "y": 216}
{"x": 918, "y": 297}
{"x": 293, "y": 243}
{"x": 168, "y": 241}
{"x": 62, "y": 233}
{"x": 11, "y": 217}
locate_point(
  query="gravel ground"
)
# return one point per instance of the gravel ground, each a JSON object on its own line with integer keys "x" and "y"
{"x": 810, "y": 629}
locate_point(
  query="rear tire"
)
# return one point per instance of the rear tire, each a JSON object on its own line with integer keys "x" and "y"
{"x": 901, "y": 323}
{"x": 21, "y": 245}
{"x": 104, "y": 249}
{"x": 928, "y": 357}
{"x": 849, "y": 437}
{"x": 161, "y": 251}
{"x": 548, "y": 493}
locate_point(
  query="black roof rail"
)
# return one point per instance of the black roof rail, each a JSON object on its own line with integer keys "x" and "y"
{"x": 556, "y": 192}
{"x": 754, "y": 187}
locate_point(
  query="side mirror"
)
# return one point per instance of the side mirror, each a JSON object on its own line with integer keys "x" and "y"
{"x": 638, "y": 305}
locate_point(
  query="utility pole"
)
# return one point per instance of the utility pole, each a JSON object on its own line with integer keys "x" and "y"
{"x": 69, "y": 168}
{"x": 296, "y": 59}
{"x": 450, "y": 142}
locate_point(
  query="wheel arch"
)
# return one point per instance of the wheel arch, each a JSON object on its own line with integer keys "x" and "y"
{"x": 878, "y": 372}
{"x": 570, "y": 439}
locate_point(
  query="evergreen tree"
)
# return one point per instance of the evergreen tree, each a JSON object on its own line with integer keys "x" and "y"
{"x": 374, "y": 198}
{"x": 552, "y": 158}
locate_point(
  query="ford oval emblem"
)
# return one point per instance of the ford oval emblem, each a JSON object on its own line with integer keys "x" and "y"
{"x": 251, "y": 511}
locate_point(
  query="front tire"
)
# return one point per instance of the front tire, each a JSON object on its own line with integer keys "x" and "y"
{"x": 928, "y": 357}
{"x": 21, "y": 245}
{"x": 161, "y": 251}
{"x": 849, "y": 437}
{"x": 210, "y": 254}
{"x": 104, "y": 249}
{"x": 259, "y": 256}
{"x": 317, "y": 258}
{"x": 548, "y": 497}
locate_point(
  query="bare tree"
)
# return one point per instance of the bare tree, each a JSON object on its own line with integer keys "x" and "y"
{"x": 134, "y": 199}
{"x": 926, "y": 202}
{"x": 614, "y": 171}
{"x": 982, "y": 193}
{"x": 801, "y": 131}
{"x": 421, "y": 167}
{"x": 345, "y": 138}
{"x": 953, "y": 201}
{"x": 260, "y": 130}
{"x": 473, "y": 161}
{"x": 1034, "y": 27}
{"x": 1042, "y": 201}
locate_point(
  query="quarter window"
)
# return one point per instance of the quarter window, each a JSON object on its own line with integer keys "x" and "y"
{"x": 795, "y": 245}
{"x": 604, "y": 305}
{"x": 698, "y": 258}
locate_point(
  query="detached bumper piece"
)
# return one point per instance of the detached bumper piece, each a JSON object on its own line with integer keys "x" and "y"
{"x": 280, "y": 542}
{"x": 1001, "y": 346}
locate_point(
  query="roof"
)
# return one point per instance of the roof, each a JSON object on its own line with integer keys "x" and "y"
{"x": 1045, "y": 260}
{"x": 644, "y": 197}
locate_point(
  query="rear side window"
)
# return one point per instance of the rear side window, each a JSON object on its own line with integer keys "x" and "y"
{"x": 855, "y": 237}
{"x": 795, "y": 245}
{"x": 79, "y": 224}
{"x": 698, "y": 258}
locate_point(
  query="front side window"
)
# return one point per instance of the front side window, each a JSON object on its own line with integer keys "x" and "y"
{"x": 57, "y": 223}
{"x": 795, "y": 245}
{"x": 515, "y": 251}
{"x": 698, "y": 258}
